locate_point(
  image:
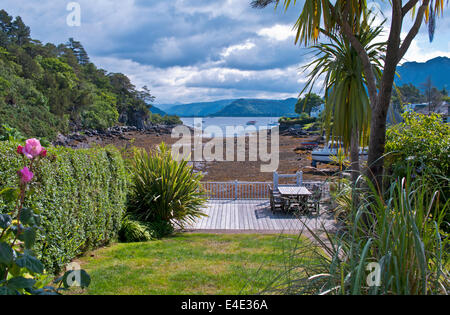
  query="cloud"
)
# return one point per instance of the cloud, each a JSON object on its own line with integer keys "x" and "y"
{"x": 194, "y": 50}
{"x": 418, "y": 52}
{"x": 207, "y": 82}
{"x": 278, "y": 32}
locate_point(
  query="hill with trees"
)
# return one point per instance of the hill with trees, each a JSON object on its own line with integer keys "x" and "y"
{"x": 259, "y": 107}
{"x": 47, "y": 89}
{"x": 200, "y": 109}
{"x": 437, "y": 69}
{"x": 237, "y": 108}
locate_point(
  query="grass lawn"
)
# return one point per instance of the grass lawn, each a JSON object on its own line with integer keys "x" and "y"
{"x": 189, "y": 264}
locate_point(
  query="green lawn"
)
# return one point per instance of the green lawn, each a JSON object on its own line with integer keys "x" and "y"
{"x": 189, "y": 264}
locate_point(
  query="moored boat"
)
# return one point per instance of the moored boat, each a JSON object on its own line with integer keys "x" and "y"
{"x": 328, "y": 154}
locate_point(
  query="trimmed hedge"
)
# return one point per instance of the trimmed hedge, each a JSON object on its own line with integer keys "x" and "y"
{"x": 80, "y": 194}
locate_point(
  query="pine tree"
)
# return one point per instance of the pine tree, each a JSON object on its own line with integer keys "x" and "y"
{"x": 78, "y": 51}
{"x": 20, "y": 32}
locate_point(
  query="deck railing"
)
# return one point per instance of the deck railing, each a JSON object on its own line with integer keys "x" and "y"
{"x": 237, "y": 190}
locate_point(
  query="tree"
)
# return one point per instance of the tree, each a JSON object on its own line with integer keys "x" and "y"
{"x": 145, "y": 95}
{"x": 307, "y": 104}
{"x": 405, "y": 94}
{"x": 432, "y": 95}
{"x": 20, "y": 32}
{"x": 5, "y": 27}
{"x": 79, "y": 51}
{"x": 344, "y": 17}
{"x": 346, "y": 98}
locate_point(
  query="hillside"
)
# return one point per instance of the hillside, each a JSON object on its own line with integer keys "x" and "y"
{"x": 46, "y": 89}
{"x": 259, "y": 107}
{"x": 156, "y": 110}
{"x": 417, "y": 72}
{"x": 198, "y": 109}
{"x": 236, "y": 108}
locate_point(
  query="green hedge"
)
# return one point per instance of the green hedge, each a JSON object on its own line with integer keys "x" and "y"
{"x": 80, "y": 195}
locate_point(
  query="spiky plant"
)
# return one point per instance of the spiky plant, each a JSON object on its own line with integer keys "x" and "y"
{"x": 164, "y": 189}
{"x": 398, "y": 232}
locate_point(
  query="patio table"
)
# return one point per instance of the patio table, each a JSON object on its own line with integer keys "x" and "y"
{"x": 298, "y": 193}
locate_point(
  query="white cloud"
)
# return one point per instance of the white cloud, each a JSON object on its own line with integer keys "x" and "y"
{"x": 206, "y": 82}
{"x": 418, "y": 51}
{"x": 278, "y": 32}
{"x": 235, "y": 48}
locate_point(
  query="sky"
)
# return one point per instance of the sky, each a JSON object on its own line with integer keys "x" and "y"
{"x": 196, "y": 50}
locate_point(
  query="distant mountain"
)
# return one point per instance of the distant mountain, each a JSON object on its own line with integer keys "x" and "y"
{"x": 165, "y": 107}
{"x": 259, "y": 107}
{"x": 198, "y": 109}
{"x": 156, "y": 110}
{"x": 417, "y": 72}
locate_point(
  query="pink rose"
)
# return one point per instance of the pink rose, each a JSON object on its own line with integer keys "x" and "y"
{"x": 43, "y": 153}
{"x": 25, "y": 175}
{"x": 32, "y": 148}
{"x": 20, "y": 149}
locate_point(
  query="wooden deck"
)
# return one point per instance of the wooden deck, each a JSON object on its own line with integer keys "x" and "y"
{"x": 240, "y": 216}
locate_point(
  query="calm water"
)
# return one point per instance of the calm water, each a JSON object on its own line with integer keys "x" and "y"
{"x": 209, "y": 123}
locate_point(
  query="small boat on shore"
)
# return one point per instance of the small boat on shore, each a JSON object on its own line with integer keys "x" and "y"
{"x": 251, "y": 123}
{"x": 326, "y": 155}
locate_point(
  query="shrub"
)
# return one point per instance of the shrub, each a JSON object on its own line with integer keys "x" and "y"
{"x": 421, "y": 146}
{"x": 396, "y": 231}
{"x": 160, "y": 228}
{"x": 422, "y": 142}
{"x": 20, "y": 271}
{"x": 134, "y": 231}
{"x": 163, "y": 189}
{"x": 304, "y": 119}
{"x": 80, "y": 195}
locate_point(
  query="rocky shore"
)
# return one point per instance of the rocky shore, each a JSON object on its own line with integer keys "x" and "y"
{"x": 82, "y": 139}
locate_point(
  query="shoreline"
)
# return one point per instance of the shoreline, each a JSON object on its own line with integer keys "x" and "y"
{"x": 291, "y": 157}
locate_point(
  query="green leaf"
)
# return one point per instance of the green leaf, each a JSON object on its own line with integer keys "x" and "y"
{"x": 29, "y": 237}
{"x": 10, "y": 194}
{"x": 20, "y": 283}
{"x": 27, "y": 216}
{"x": 7, "y": 291}
{"x": 6, "y": 254}
{"x": 5, "y": 221}
{"x": 30, "y": 262}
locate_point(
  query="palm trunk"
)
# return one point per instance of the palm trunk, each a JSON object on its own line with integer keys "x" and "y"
{"x": 378, "y": 140}
{"x": 354, "y": 156}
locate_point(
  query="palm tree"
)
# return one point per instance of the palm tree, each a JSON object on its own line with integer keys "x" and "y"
{"x": 346, "y": 98}
{"x": 342, "y": 17}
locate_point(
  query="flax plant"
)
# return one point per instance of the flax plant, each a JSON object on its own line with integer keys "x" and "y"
{"x": 164, "y": 189}
{"x": 397, "y": 231}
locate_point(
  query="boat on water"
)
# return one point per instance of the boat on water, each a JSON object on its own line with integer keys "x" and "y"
{"x": 251, "y": 123}
{"x": 328, "y": 154}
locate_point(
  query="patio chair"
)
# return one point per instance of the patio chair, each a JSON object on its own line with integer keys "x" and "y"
{"x": 276, "y": 202}
{"x": 314, "y": 199}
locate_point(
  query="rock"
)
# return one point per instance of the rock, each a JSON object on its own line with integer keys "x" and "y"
{"x": 81, "y": 139}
